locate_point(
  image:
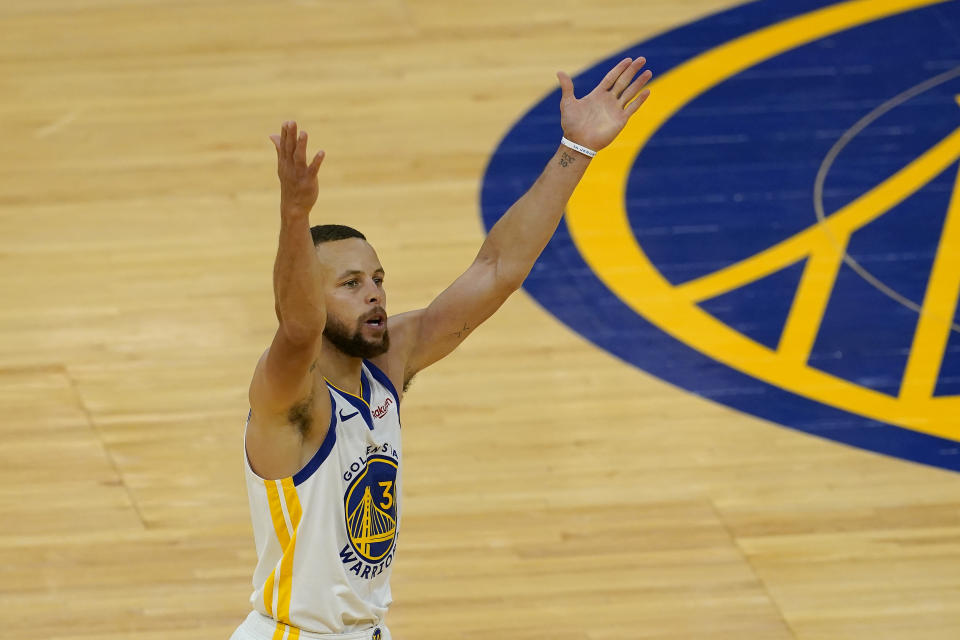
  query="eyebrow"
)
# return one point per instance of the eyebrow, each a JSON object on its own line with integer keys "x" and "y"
{"x": 358, "y": 272}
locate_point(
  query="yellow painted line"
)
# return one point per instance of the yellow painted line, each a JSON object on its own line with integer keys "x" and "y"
{"x": 599, "y": 226}
{"x": 841, "y": 224}
{"x": 810, "y": 301}
{"x": 936, "y": 315}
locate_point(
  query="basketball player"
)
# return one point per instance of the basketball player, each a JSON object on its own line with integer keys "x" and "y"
{"x": 322, "y": 440}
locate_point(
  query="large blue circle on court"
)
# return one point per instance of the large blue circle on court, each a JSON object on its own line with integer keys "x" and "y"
{"x": 732, "y": 173}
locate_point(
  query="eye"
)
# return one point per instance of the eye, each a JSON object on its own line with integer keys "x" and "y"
{"x": 351, "y": 283}
{"x": 378, "y": 280}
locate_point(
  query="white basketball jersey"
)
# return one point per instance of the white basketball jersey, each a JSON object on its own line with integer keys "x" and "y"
{"x": 326, "y": 536}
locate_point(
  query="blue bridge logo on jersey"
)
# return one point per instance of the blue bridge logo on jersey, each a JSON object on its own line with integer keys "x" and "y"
{"x": 371, "y": 517}
{"x": 778, "y": 229}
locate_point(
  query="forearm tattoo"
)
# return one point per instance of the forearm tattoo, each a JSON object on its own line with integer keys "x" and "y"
{"x": 566, "y": 159}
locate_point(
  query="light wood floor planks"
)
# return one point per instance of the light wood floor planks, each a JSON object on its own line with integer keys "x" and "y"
{"x": 551, "y": 490}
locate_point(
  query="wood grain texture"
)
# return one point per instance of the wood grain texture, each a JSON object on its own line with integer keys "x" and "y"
{"x": 551, "y": 490}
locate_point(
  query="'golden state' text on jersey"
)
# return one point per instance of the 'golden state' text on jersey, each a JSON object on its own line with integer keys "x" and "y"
{"x": 326, "y": 536}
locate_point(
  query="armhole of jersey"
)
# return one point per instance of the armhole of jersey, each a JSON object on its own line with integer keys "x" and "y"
{"x": 246, "y": 458}
{"x": 325, "y": 447}
{"x": 382, "y": 378}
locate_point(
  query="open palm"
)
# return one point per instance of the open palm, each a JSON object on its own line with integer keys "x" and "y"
{"x": 595, "y": 119}
{"x": 299, "y": 187}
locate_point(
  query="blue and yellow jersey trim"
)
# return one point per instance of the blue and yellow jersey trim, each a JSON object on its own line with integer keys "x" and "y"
{"x": 285, "y": 514}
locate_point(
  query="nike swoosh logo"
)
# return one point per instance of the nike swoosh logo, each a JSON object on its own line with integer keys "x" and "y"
{"x": 344, "y": 418}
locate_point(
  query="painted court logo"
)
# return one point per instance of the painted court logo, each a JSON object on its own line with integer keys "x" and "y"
{"x": 371, "y": 517}
{"x": 779, "y": 227}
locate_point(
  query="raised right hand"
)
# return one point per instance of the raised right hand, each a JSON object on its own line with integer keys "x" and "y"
{"x": 298, "y": 180}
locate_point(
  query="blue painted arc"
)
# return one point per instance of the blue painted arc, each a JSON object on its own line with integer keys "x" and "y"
{"x": 732, "y": 173}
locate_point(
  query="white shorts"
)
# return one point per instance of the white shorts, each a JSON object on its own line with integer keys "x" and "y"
{"x": 259, "y": 627}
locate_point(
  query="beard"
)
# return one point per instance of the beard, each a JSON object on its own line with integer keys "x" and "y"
{"x": 353, "y": 343}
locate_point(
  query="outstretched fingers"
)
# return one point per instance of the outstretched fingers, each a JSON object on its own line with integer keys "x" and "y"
{"x": 608, "y": 80}
{"x": 626, "y": 76}
{"x": 317, "y": 161}
{"x": 281, "y": 141}
{"x": 635, "y": 86}
{"x": 292, "y": 150}
{"x": 300, "y": 151}
{"x": 566, "y": 86}
{"x": 633, "y": 106}
{"x": 289, "y": 138}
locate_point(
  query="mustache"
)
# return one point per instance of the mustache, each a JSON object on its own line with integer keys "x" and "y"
{"x": 378, "y": 311}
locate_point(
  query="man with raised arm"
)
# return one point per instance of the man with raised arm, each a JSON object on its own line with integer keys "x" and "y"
{"x": 322, "y": 440}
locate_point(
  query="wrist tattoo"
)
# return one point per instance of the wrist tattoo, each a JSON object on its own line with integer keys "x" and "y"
{"x": 566, "y": 159}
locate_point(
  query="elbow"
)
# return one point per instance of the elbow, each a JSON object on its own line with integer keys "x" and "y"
{"x": 502, "y": 275}
{"x": 510, "y": 280}
{"x": 507, "y": 276}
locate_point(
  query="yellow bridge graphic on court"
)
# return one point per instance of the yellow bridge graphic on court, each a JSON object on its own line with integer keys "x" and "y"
{"x": 824, "y": 247}
{"x": 368, "y": 524}
{"x": 674, "y": 308}
{"x": 600, "y": 227}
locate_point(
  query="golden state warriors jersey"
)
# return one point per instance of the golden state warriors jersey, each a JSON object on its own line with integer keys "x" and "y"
{"x": 326, "y": 536}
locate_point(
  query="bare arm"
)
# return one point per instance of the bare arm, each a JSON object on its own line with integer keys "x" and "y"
{"x": 281, "y": 377}
{"x": 518, "y": 238}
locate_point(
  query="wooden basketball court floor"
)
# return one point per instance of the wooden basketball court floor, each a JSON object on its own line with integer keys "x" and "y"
{"x": 552, "y": 491}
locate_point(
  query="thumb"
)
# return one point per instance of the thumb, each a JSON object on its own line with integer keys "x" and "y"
{"x": 566, "y": 86}
{"x": 275, "y": 138}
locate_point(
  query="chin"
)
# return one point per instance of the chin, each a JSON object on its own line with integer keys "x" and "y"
{"x": 366, "y": 348}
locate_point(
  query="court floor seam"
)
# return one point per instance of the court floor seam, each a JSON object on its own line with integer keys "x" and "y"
{"x": 753, "y": 570}
{"x": 92, "y": 423}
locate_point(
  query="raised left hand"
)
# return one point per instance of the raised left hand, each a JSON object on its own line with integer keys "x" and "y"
{"x": 595, "y": 119}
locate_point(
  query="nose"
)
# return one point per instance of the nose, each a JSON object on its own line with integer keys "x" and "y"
{"x": 374, "y": 294}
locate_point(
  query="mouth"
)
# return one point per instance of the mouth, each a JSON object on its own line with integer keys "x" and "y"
{"x": 377, "y": 320}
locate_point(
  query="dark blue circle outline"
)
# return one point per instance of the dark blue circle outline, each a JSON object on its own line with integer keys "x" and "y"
{"x": 346, "y": 507}
{"x": 517, "y": 162}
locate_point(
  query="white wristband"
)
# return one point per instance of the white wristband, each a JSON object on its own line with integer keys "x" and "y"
{"x": 576, "y": 147}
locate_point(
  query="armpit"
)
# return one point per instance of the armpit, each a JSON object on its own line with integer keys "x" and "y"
{"x": 300, "y": 415}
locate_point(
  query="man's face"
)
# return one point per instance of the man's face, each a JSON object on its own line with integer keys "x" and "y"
{"x": 355, "y": 299}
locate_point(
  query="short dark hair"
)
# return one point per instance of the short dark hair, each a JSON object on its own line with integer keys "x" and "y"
{"x": 329, "y": 232}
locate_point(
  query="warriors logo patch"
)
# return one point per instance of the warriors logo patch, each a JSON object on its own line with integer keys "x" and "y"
{"x": 778, "y": 228}
{"x": 371, "y": 510}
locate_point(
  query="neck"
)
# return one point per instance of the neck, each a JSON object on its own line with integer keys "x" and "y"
{"x": 341, "y": 370}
